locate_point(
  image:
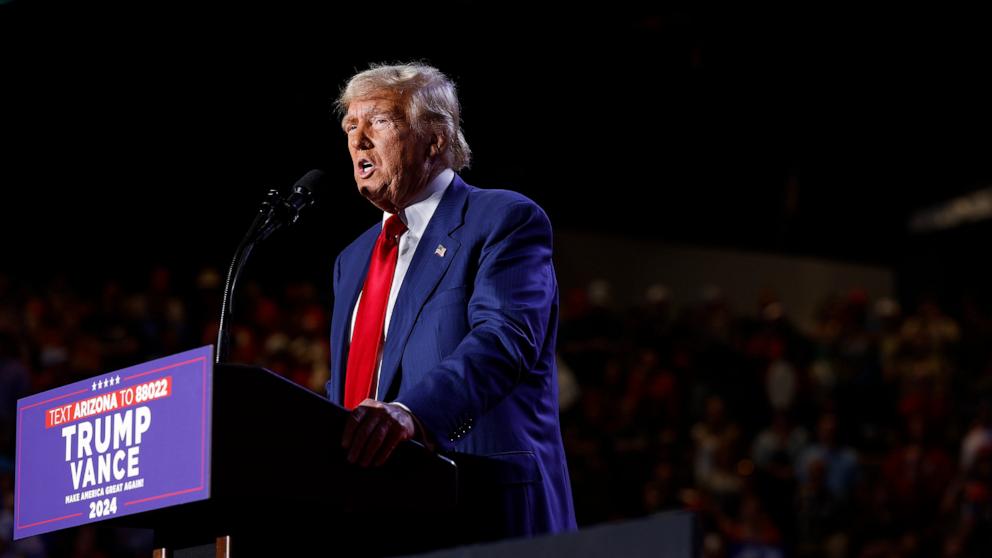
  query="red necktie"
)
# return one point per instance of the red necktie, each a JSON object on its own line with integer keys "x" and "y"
{"x": 367, "y": 336}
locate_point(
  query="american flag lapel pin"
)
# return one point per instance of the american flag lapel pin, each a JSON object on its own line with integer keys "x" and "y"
{"x": 440, "y": 250}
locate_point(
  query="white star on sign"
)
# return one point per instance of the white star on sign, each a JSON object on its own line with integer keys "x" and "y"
{"x": 94, "y": 387}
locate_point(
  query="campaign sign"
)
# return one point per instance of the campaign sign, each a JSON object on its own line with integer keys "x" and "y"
{"x": 116, "y": 444}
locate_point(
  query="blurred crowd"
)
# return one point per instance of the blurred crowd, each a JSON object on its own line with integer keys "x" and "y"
{"x": 868, "y": 436}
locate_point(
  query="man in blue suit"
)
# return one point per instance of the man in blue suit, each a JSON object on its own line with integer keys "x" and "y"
{"x": 445, "y": 313}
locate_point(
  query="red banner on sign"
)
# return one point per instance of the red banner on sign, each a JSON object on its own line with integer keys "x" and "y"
{"x": 110, "y": 401}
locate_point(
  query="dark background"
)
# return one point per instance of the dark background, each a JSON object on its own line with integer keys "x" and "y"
{"x": 137, "y": 140}
{"x": 151, "y": 131}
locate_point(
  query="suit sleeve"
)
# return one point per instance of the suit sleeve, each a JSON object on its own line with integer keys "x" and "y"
{"x": 335, "y": 279}
{"x": 508, "y": 314}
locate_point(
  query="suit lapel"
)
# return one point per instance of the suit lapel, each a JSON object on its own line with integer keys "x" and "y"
{"x": 426, "y": 269}
{"x": 353, "y": 271}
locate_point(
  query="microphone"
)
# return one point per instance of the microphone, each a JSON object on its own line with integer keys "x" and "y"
{"x": 301, "y": 195}
{"x": 276, "y": 211}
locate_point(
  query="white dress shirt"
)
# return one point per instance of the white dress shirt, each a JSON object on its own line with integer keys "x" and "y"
{"x": 416, "y": 216}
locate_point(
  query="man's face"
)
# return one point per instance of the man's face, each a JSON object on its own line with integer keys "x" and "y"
{"x": 391, "y": 163}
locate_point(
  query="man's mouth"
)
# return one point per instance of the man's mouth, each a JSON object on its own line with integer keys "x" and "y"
{"x": 365, "y": 168}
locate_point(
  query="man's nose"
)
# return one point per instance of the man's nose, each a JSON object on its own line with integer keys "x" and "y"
{"x": 359, "y": 140}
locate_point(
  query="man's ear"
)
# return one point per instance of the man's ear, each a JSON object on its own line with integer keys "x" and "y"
{"x": 437, "y": 145}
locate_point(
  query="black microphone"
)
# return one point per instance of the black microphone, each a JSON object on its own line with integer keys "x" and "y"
{"x": 301, "y": 196}
{"x": 278, "y": 211}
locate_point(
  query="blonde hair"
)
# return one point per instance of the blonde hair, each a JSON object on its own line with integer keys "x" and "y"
{"x": 432, "y": 103}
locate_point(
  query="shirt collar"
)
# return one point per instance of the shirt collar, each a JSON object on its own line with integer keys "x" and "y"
{"x": 419, "y": 213}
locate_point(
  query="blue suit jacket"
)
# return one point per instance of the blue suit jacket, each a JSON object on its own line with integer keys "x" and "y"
{"x": 471, "y": 345}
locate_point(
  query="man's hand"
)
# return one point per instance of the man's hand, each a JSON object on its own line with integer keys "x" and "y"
{"x": 374, "y": 430}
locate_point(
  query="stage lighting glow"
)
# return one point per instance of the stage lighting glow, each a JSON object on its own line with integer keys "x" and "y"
{"x": 971, "y": 208}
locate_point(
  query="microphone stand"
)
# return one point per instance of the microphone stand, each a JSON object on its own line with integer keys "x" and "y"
{"x": 274, "y": 213}
{"x": 261, "y": 227}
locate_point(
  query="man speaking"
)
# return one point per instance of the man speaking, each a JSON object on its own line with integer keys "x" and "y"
{"x": 445, "y": 312}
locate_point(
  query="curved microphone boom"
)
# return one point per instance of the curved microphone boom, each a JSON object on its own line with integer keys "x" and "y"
{"x": 275, "y": 212}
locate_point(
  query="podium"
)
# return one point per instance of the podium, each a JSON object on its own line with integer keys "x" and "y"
{"x": 278, "y": 484}
{"x": 322, "y": 505}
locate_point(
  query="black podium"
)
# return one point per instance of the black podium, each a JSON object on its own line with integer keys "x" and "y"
{"x": 281, "y": 485}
